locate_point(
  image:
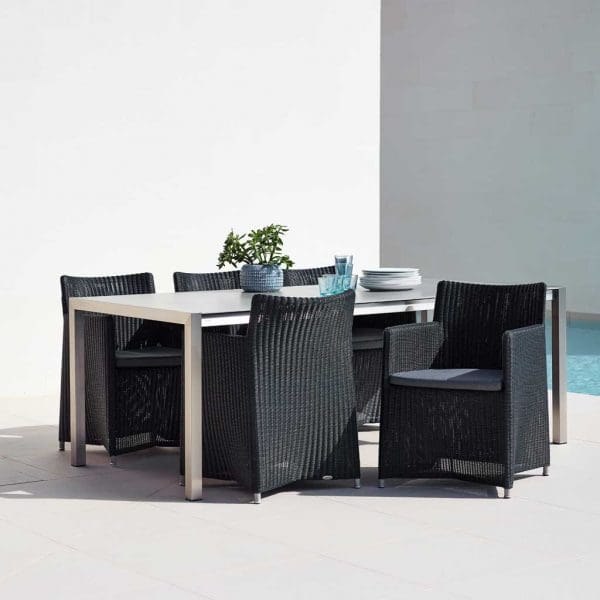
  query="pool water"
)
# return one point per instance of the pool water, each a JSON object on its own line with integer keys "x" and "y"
{"x": 583, "y": 357}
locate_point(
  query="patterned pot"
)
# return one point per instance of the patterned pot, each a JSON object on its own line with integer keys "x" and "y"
{"x": 261, "y": 278}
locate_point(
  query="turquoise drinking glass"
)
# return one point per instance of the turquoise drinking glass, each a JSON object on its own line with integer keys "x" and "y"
{"x": 346, "y": 282}
{"x": 328, "y": 285}
{"x": 351, "y": 282}
{"x": 343, "y": 264}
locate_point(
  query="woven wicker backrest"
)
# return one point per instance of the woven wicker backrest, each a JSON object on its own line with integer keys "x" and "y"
{"x": 305, "y": 276}
{"x": 475, "y": 316}
{"x": 204, "y": 282}
{"x": 113, "y": 285}
{"x": 301, "y": 353}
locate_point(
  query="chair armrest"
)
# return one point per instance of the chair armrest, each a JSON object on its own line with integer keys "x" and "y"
{"x": 411, "y": 347}
{"x": 226, "y": 405}
{"x": 524, "y": 358}
{"x": 526, "y": 394}
{"x": 100, "y": 346}
{"x": 100, "y": 375}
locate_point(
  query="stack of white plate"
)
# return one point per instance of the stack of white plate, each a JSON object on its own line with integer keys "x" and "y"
{"x": 390, "y": 278}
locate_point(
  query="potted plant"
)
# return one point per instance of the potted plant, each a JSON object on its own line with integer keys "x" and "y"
{"x": 260, "y": 254}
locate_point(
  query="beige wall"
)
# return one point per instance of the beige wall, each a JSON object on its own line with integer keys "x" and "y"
{"x": 491, "y": 141}
{"x": 135, "y": 133}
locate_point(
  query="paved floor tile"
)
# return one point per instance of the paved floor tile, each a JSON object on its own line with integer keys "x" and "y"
{"x": 127, "y": 532}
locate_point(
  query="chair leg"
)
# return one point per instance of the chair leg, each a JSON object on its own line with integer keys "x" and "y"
{"x": 61, "y": 446}
{"x": 381, "y": 483}
{"x": 357, "y": 483}
{"x": 545, "y": 471}
{"x": 257, "y": 498}
{"x": 507, "y": 492}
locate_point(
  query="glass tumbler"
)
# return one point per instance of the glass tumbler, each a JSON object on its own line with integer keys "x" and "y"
{"x": 328, "y": 285}
{"x": 343, "y": 264}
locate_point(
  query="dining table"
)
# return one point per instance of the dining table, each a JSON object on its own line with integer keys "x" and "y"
{"x": 196, "y": 310}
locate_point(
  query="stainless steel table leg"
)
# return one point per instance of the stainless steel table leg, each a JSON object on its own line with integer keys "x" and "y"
{"x": 192, "y": 393}
{"x": 559, "y": 366}
{"x": 77, "y": 383}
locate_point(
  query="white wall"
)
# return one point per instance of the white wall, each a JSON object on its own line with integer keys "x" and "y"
{"x": 491, "y": 141}
{"x": 134, "y": 134}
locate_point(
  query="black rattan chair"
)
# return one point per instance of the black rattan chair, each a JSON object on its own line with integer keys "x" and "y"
{"x": 279, "y": 402}
{"x": 132, "y": 367}
{"x": 367, "y": 342}
{"x": 188, "y": 282}
{"x": 465, "y": 396}
{"x": 292, "y": 277}
{"x": 204, "y": 282}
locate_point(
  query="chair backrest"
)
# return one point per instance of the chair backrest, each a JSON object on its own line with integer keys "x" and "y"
{"x": 305, "y": 276}
{"x": 301, "y": 352}
{"x": 474, "y": 317}
{"x": 129, "y": 333}
{"x": 112, "y": 285}
{"x": 204, "y": 282}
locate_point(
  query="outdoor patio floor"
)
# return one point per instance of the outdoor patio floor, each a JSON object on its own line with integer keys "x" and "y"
{"x": 126, "y": 532}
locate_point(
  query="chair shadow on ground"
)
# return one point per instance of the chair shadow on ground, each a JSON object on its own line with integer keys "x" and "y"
{"x": 31, "y": 466}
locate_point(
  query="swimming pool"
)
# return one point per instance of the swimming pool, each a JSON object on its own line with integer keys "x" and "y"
{"x": 583, "y": 356}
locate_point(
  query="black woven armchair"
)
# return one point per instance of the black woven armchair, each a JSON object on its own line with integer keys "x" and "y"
{"x": 292, "y": 277}
{"x": 204, "y": 282}
{"x": 367, "y": 343}
{"x": 465, "y": 396}
{"x": 279, "y": 402}
{"x": 132, "y": 367}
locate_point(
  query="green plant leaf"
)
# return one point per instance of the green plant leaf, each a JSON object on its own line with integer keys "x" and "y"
{"x": 258, "y": 247}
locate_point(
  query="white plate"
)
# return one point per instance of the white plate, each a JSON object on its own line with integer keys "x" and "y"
{"x": 383, "y": 281}
{"x": 388, "y": 288}
{"x": 391, "y": 270}
{"x": 391, "y": 277}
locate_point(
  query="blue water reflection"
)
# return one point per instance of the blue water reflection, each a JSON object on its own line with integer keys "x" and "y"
{"x": 583, "y": 363}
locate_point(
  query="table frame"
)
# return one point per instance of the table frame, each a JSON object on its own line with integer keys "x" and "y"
{"x": 192, "y": 365}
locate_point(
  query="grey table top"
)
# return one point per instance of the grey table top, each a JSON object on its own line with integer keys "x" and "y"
{"x": 174, "y": 306}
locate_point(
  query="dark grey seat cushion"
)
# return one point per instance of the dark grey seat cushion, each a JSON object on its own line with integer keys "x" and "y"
{"x": 367, "y": 338}
{"x": 156, "y": 356}
{"x": 481, "y": 380}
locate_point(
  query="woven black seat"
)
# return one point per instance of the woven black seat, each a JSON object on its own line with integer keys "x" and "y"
{"x": 132, "y": 371}
{"x": 367, "y": 343}
{"x": 279, "y": 402}
{"x": 154, "y": 356}
{"x": 489, "y": 380}
{"x": 492, "y": 425}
